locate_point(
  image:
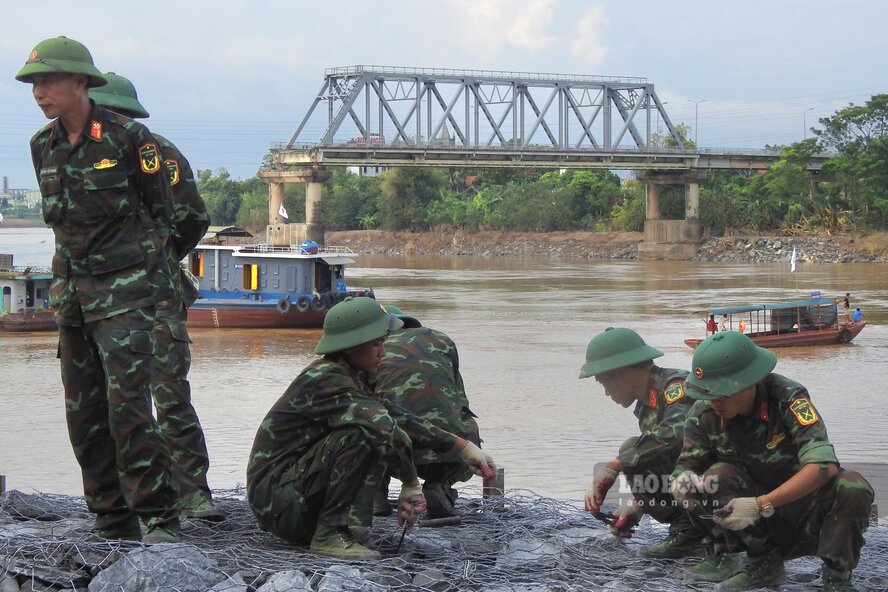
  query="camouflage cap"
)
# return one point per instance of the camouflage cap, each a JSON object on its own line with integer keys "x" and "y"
{"x": 409, "y": 322}
{"x": 616, "y": 348}
{"x": 119, "y": 95}
{"x": 725, "y": 364}
{"x": 60, "y": 55}
{"x": 355, "y": 321}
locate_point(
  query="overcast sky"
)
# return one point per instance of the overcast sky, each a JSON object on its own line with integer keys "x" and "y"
{"x": 224, "y": 79}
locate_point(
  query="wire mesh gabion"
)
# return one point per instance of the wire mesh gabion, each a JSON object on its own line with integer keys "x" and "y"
{"x": 520, "y": 542}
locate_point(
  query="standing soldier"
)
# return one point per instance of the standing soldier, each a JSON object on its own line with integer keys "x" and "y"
{"x": 420, "y": 375}
{"x": 108, "y": 201}
{"x": 756, "y": 448}
{"x": 621, "y": 362}
{"x": 176, "y": 416}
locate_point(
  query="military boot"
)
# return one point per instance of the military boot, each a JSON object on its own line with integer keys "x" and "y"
{"x": 717, "y": 567}
{"x": 679, "y": 543}
{"x": 108, "y": 527}
{"x": 766, "y": 570}
{"x": 438, "y": 500}
{"x": 162, "y": 532}
{"x": 837, "y": 581}
{"x": 339, "y": 542}
{"x": 203, "y": 508}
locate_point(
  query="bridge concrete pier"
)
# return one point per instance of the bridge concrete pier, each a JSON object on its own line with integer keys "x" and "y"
{"x": 280, "y": 231}
{"x": 671, "y": 239}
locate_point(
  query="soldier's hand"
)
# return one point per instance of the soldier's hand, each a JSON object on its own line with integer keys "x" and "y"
{"x": 603, "y": 479}
{"x": 685, "y": 485}
{"x": 744, "y": 512}
{"x": 411, "y": 503}
{"x": 480, "y": 463}
{"x": 626, "y": 518}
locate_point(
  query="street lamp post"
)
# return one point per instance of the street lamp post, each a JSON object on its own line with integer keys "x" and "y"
{"x": 696, "y": 106}
{"x": 805, "y": 121}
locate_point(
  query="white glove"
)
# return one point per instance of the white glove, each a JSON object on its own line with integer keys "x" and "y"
{"x": 626, "y": 517}
{"x": 685, "y": 485}
{"x": 411, "y": 503}
{"x": 744, "y": 513}
{"x": 480, "y": 462}
{"x": 602, "y": 481}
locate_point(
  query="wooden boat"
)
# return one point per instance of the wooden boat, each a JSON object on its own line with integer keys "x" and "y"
{"x": 265, "y": 286}
{"x": 24, "y": 294}
{"x": 784, "y": 324}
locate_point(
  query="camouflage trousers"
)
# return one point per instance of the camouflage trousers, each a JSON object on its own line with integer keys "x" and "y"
{"x": 332, "y": 484}
{"x": 106, "y": 367}
{"x": 176, "y": 417}
{"x": 649, "y": 486}
{"x": 829, "y": 522}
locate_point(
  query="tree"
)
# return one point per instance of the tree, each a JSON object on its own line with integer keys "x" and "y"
{"x": 406, "y": 193}
{"x": 221, "y": 194}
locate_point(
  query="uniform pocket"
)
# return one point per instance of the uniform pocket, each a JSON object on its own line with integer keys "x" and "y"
{"x": 179, "y": 332}
{"x": 105, "y": 195}
{"x": 51, "y": 191}
{"x": 142, "y": 342}
{"x": 122, "y": 257}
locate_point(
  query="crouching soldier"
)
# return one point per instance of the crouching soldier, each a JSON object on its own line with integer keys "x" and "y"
{"x": 757, "y": 462}
{"x": 621, "y": 362}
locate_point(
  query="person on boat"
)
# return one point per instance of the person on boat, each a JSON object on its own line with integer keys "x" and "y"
{"x": 858, "y": 315}
{"x": 420, "y": 374}
{"x": 622, "y": 363}
{"x": 846, "y": 306}
{"x": 741, "y": 326}
{"x": 176, "y": 416}
{"x": 723, "y": 324}
{"x": 711, "y": 326}
{"x": 756, "y": 448}
{"x": 108, "y": 202}
{"x": 323, "y": 448}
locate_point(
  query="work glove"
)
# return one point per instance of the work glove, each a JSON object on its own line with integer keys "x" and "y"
{"x": 627, "y": 517}
{"x": 744, "y": 513}
{"x": 480, "y": 463}
{"x": 685, "y": 485}
{"x": 603, "y": 479}
{"x": 411, "y": 503}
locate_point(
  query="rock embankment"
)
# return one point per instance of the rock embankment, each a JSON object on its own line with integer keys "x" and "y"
{"x": 611, "y": 245}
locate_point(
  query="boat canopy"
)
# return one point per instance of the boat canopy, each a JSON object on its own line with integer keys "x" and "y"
{"x": 726, "y": 310}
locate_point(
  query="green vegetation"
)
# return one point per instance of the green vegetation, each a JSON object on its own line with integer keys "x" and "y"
{"x": 850, "y": 194}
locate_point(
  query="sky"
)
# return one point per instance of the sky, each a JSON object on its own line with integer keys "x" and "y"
{"x": 225, "y": 80}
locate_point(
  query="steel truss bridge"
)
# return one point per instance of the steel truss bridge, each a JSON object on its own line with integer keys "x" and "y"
{"x": 393, "y": 116}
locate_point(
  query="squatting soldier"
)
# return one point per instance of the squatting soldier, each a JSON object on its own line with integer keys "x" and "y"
{"x": 621, "y": 362}
{"x": 324, "y": 446}
{"x": 420, "y": 374}
{"x": 176, "y": 416}
{"x": 756, "y": 447}
{"x": 107, "y": 199}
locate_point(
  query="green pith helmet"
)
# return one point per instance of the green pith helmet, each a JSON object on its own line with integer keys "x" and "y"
{"x": 119, "y": 95}
{"x": 725, "y": 364}
{"x": 61, "y": 55}
{"x": 613, "y": 349}
{"x": 409, "y": 322}
{"x": 355, "y": 321}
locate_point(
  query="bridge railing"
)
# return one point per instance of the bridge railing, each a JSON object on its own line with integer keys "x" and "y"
{"x": 485, "y": 74}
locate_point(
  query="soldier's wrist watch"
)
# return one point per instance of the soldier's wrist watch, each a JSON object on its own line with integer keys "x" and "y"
{"x": 766, "y": 510}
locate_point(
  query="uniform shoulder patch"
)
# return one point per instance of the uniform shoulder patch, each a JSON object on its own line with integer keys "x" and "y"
{"x": 673, "y": 393}
{"x": 172, "y": 167}
{"x": 803, "y": 411}
{"x": 149, "y": 159}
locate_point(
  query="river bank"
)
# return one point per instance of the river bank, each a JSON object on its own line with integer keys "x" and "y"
{"x": 871, "y": 248}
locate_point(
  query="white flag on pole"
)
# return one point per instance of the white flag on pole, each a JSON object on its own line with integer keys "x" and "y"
{"x": 792, "y": 261}
{"x": 283, "y": 212}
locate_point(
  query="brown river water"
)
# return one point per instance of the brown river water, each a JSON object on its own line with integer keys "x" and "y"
{"x": 521, "y": 326}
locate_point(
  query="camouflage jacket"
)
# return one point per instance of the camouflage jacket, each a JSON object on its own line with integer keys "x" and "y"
{"x": 190, "y": 220}
{"x": 784, "y": 433}
{"x": 109, "y": 204}
{"x": 419, "y": 376}
{"x": 323, "y": 398}
{"x": 661, "y": 418}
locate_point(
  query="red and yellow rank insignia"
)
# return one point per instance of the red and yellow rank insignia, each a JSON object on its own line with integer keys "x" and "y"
{"x": 652, "y": 398}
{"x": 172, "y": 167}
{"x": 803, "y": 411}
{"x": 105, "y": 163}
{"x": 673, "y": 393}
{"x": 95, "y": 130}
{"x": 149, "y": 159}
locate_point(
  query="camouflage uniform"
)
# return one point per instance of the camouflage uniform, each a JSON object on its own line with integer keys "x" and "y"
{"x": 420, "y": 374}
{"x": 648, "y": 459}
{"x": 753, "y": 455}
{"x": 321, "y": 451}
{"x": 176, "y": 416}
{"x": 108, "y": 202}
